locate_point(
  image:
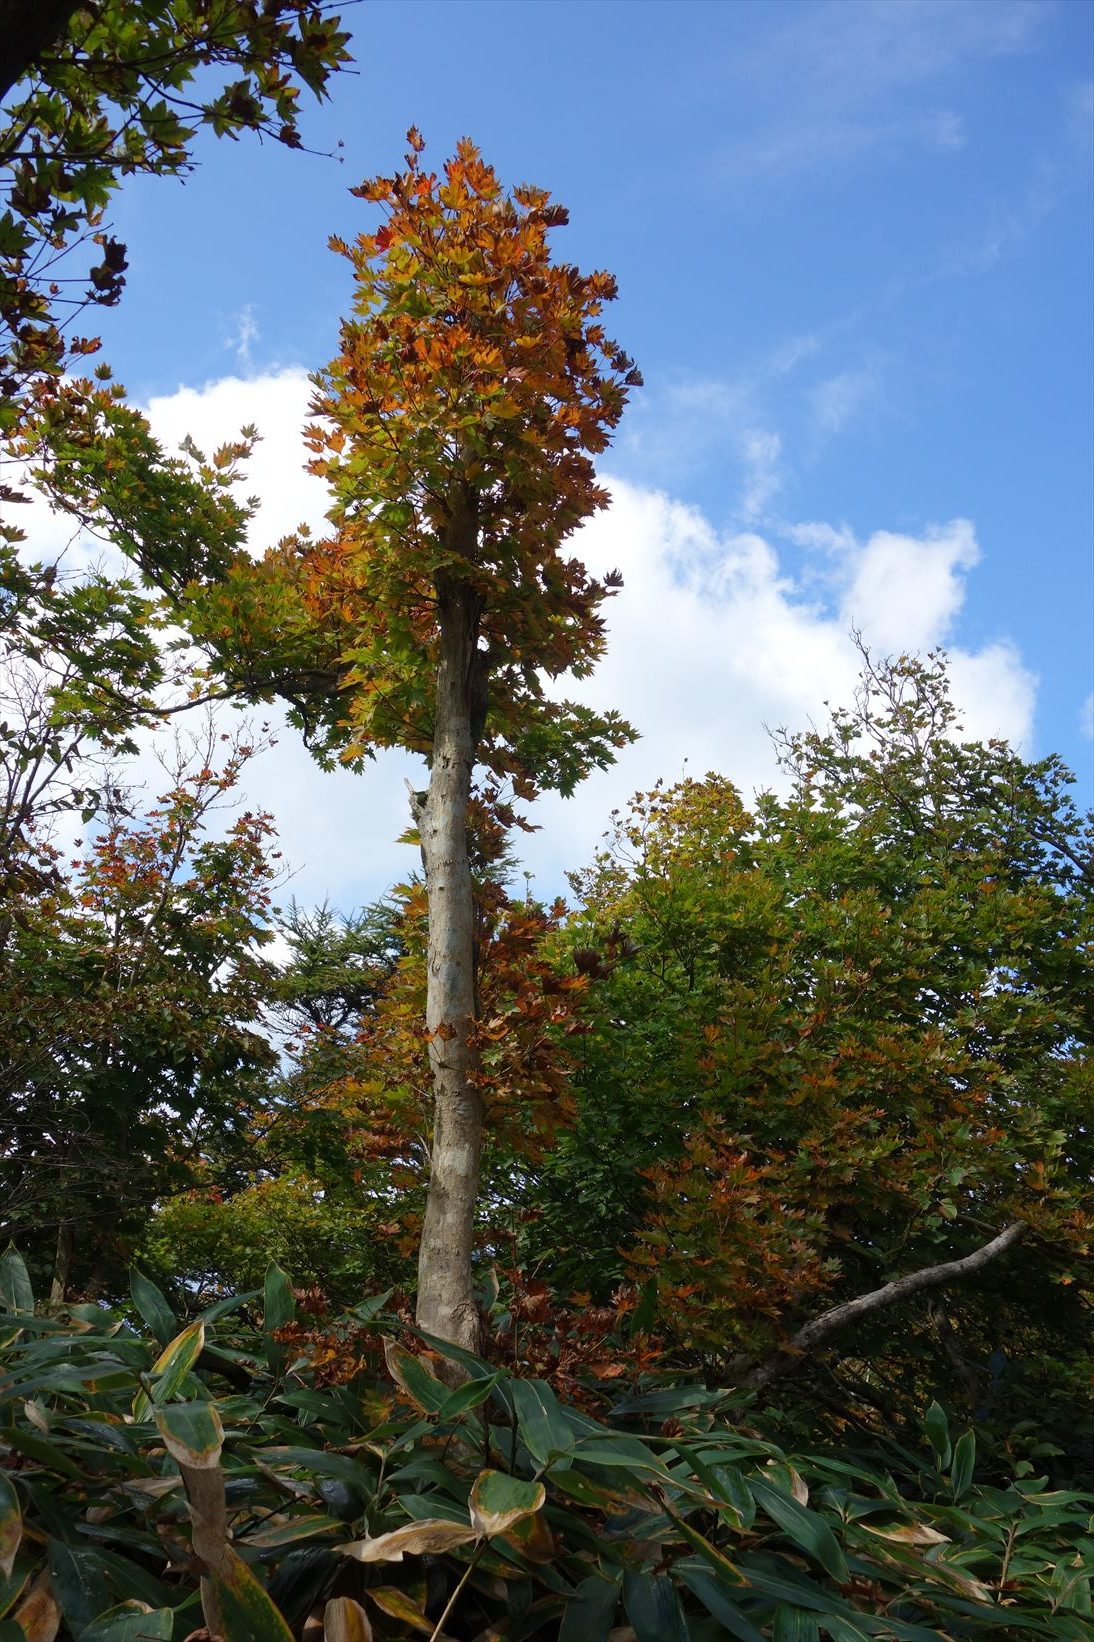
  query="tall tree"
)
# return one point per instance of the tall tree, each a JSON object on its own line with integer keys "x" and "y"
{"x": 458, "y": 427}
{"x": 474, "y": 386}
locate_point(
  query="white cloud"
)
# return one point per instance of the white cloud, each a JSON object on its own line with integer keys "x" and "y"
{"x": 1086, "y": 717}
{"x": 710, "y": 640}
{"x": 277, "y": 404}
{"x": 903, "y": 591}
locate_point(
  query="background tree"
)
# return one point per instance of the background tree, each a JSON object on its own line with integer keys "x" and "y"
{"x": 839, "y": 1040}
{"x": 132, "y": 990}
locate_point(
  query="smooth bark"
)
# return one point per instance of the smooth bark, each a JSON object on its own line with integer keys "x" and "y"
{"x": 446, "y": 1302}
{"x": 815, "y": 1333}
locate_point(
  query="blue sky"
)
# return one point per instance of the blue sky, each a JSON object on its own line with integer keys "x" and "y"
{"x": 854, "y": 246}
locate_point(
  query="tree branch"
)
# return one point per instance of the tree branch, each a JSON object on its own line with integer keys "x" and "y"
{"x": 815, "y": 1333}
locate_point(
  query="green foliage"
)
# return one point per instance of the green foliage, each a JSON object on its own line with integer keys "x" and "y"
{"x": 345, "y": 1469}
{"x": 117, "y": 90}
{"x": 131, "y": 989}
{"x": 837, "y": 1040}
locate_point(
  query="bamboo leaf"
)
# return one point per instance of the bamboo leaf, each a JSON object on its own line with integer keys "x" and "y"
{"x": 170, "y": 1369}
{"x": 11, "y": 1526}
{"x": 964, "y": 1464}
{"x": 131, "y": 1622}
{"x": 153, "y": 1307}
{"x": 499, "y": 1501}
{"x": 192, "y": 1434}
{"x": 346, "y": 1621}
{"x": 654, "y": 1608}
{"x": 278, "y": 1309}
{"x": 805, "y": 1528}
{"x": 433, "y": 1534}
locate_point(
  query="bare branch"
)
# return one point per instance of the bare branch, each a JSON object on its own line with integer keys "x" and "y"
{"x": 815, "y": 1333}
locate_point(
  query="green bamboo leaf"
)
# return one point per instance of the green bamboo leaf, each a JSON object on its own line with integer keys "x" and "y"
{"x": 472, "y": 1394}
{"x": 278, "y": 1309}
{"x": 964, "y": 1464}
{"x": 590, "y": 1612}
{"x": 192, "y": 1434}
{"x": 16, "y": 1294}
{"x": 805, "y": 1528}
{"x": 131, "y": 1622}
{"x": 321, "y": 1463}
{"x": 792, "y": 1625}
{"x": 170, "y": 1369}
{"x": 79, "y": 1580}
{"x": 412, "y": 1377}
{"x": 248, "y": 1612}
{"x": 498, "y": 1501}
{"x": 11, "y": 1526}
{"x": 937, "y": 1428}
{"x": 153, "y": 1307}
{"x": 654, "y": 1608}
{"x": 41, "y": 1449}
{"x": 703, "y": 1584}
{"x": 544, "y": 1428}
{"x": 296, "y": 1529}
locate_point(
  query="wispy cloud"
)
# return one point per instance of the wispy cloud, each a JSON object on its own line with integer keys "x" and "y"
{"x": 836, "y": 83}
{"x": 243, "y": 333}
{"x": 760, "y": 455}
{"x": 837, "y": 400}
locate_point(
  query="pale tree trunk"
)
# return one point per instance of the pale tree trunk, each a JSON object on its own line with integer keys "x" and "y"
{"x": 62, "y": 1263}
{"x": 446, "y": 1303}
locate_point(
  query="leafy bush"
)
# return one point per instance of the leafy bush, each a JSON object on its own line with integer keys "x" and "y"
{"x": 372, "y": 1490}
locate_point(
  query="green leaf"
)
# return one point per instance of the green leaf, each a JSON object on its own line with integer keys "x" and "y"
{"x": 964, "y": 1464}
{"x": 192, "y": 1434}
{"x": 472, "y": 1394}
{"x": 590, "y": 1612}
{"x": 79, "y": 1581}
{"x": 544, "y": 1428}
{"x": 654, "y": 1608}
{"x": 297, "y": 1528}
{"x": 937, "y": 1428}
{"x": 545, "y": 1431}
{"x": 170, "y": 1369}
{"x": 321, "y": 1463}
{"x": 792, "y": 1625}
{"x": 714, "y": 1599}
{"x": 412, "y": 1377}
{"x": 11, "y": 1526}
{"x": 804, "y": 1527}
{"x": 41, "y": 1449}
{"x": 278, "y": 1309}
{"x": 498, "y": 1501}
{"x": 131, "y": 1622}
{"x": 249, "y": 1614}
{"x": 153, "y": 1307}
